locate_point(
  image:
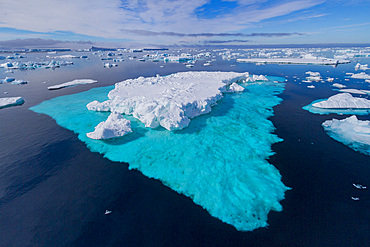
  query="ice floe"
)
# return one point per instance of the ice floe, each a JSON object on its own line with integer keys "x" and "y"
{"x": 351, "y": 132}
{"x": 10, "y": 101}
{"x": 361, "y": 75}
{"x": 313, "y": 77}
{"x": 343, "y": 101}
{"x": 354, "y": 91}
{"x": 72, "y": 83}
{"x": 114, "y": 126}
{"x": 170, "y": 101}
{"x": 337, "y": 85}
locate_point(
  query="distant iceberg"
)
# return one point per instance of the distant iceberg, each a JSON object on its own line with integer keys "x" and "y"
{"x": 11, "y": 101}
{"x": 351, "y": 132}
{"x": 219, "y": 160}
{"x": 343, "y": 101}
{"x": 72, "y": 83}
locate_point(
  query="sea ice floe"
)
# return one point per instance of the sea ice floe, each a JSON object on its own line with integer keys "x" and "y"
{"x": 351, "y": 132}
{"x": 72, "y": 83}
{"x": 361, "y": 66}
{"x": 361, "y": 75}
{"x": 114, "y": 126}
{"x": 313, "y": 77}
{"x": 337, "y": 85}
{"x": 170, "y": 101}
{"x": 354, "y": 91}
{"x": 343, "y": 101}
{"x": 10, "y": 101}
{"x": 219, "y": 160}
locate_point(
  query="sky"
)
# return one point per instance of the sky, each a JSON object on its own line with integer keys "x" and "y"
{"x": 186, "y": 22}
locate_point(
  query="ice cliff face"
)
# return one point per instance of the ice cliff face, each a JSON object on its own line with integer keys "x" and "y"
{"x": 170, "y": 101}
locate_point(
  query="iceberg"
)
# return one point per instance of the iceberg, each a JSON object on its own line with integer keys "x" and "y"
{"x": 170, "y": 101}
{"x": 11, "y": 101}
{"x": 351, "y": 132}
{"x": 343, "y": 101}
{"x": 219, "y": 160}
{"x": 114, "y": 126}
{"x": 361, "y": 75}
{"x": 72, "y": 83}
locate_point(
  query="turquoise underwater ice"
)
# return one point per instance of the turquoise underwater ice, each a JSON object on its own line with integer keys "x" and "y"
{"x": 219, "y": 160}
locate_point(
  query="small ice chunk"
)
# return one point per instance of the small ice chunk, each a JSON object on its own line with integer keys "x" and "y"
{"x": 72, "y": 83}
{"x": 337, "y": 85}
{"x": 235, "y": 87}
{"x": 114, "y": 126}
{"x": 311, "y": 86}
{"x": 11, "y": 101}
{"x": 343, "y": 101}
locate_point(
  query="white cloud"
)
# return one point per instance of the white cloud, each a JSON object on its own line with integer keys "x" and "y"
{"x": 109, "y": 19}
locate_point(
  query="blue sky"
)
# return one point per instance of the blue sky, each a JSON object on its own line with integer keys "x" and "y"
{"x": 169, "y": 22}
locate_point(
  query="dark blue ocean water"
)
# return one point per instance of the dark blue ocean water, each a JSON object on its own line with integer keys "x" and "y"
{"x": 54, "y": 191}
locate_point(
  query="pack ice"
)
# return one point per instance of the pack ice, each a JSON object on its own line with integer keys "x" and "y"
{"x": 351, "y": 132}
{"x": 170, "y": 101}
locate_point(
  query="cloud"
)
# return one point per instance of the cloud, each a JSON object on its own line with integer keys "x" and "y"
{"x": 151, "y": 33}
{"x": 167, "y": 20}
{"x": 37, "y": 42}
{"x": 225, "y": 41}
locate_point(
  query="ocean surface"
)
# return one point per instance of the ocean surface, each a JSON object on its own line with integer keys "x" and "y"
{"x": 54, "y": 190}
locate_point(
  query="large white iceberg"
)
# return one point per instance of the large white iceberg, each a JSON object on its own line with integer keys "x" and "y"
{"x": 343, "y": 101}
{"x": 114, "y": 126}
{"x": 321, "y": 61}
{"x": 11, "y": 101}
{"x": 169, "y": 101}
{"x": 350, "y": 131}
{"x": 72, "y": 83}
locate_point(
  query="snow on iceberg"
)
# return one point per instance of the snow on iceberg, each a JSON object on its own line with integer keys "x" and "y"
{"x": 169, "y": 101}
{"x": 11, "y": 101}
{"x": 351, "y": 132}
{"x": 219, "y": 160}
{"x": 114, "y": 126}
{"x": 343, "y": 101}
{"x": 72, "y": 83}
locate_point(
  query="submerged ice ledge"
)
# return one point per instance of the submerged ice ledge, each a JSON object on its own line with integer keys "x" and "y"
{"x": 219, "y": 160}
{"x": 171, "y": 101}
